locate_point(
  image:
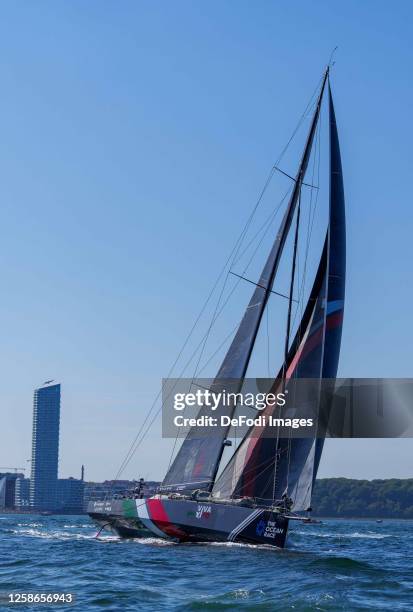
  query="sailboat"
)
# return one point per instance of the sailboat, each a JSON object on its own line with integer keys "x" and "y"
{"x": 268, "y": 481}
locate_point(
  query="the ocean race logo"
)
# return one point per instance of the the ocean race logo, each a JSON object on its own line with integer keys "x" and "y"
{"x": 260, "y": 528}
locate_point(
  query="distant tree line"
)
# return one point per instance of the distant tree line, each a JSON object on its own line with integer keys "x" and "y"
{"x": 344, "y": 497}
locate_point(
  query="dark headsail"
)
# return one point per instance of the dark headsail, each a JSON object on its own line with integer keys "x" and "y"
{"x": 197, "y": 462}
{"x": 267, "y": 468}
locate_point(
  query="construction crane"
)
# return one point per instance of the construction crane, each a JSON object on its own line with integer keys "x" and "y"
{"x": 16, "y": 469}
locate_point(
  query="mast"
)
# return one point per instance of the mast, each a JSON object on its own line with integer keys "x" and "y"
{"x": 197, "y": 462}
{"x": 271, "y": 266}
{"x": 290, "y": 296}
{"x": 314, "y": 353}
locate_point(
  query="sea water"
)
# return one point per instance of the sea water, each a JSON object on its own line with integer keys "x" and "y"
{"x": 337, "y": 565}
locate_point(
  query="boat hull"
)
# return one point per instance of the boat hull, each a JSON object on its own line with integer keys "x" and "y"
{"x": 193, "y": 521}
{"x": 119, "y": 517}
{"x": 190, "y": 521}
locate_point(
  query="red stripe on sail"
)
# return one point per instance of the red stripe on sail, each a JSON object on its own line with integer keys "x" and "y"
{"x": 332, "y": 321}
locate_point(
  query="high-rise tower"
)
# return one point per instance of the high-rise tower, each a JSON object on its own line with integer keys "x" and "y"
{"x": 45, "y": 446}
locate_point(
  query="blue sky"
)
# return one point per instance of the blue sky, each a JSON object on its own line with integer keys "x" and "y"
{"x": 135, "y": 137}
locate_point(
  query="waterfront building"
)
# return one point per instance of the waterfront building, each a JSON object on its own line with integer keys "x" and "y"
{"x": 22, "y": 493}
{"x": 69, "y": 496}
{"x": 8, "y": 488}
{"x": 45, "y": 447}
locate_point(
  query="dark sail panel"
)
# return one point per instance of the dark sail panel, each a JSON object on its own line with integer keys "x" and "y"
{"x": 251, "y": 471}
{"x": 197, "y": 462}
{"x": 337, "y": 264}
{"x": 265, "y": 468}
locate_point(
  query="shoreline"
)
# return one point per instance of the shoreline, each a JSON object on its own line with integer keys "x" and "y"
{"x": 318, "y": 517}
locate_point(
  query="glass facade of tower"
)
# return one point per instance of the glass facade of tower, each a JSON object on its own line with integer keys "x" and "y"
{"x": 45, "y": 447}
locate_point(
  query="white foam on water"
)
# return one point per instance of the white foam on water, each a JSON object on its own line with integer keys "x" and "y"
{"x": 56, "y": 535}
{"x": 371, "y": 535}
{"x": 238, "y": 545}
{"x": 162, "y": 542}
{"x": 107, "y": 538}
{"x": 154, "y": 541}
{"x": 355, "y": 534}
{"x": 241, "y": 593}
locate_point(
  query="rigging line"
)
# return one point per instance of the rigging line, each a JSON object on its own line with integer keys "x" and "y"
{"x": 214, "y": 318}
{"x": 232, "y": 255}
{"x": 199, "y": 358}
{"x": 274, "y": 168}
{"x": 310, "y": 226}
{"x": 295, "y": 376}
{"x": 241, "y": 470}
{"x": 287, "y": 335}
{"x": 305, "y": 113}
{"x": 302, "y": 288}
{"x": 300, "y": 306}
{"x": 273, "y": 465}
{"x": 293, "y": 179}
{"x": 262, "y": 286}
{"x": 159, "y": 410}
{"x": 232, "y": 332}
{"x": 247, "y": 265}
{"x": 269, "y": 219}
{"x": 218, "y": 314}
{"x": 247, "y": 471}
{"x": 268, "y": 343}
{"x": 233, "y": 252}
{"x": 317, "y": 156}
{"x": 268, "y": 468}
{"x": 236, "y": 247}
{"x": 309, "y": 231}
{"x": 294, "y": 259}
{"x": 244, "y": 472}
{"x": 139, "y": 441}
{"x": 210, "y": 328}
{"x": 236, "y": 284}
{"x": 200, "y": 372}
{"x": 330, "y": 61}
{"x": 307, "y": 110}
{"x": 303, "y": 164}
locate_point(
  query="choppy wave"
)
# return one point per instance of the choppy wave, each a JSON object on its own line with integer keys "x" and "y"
{"x": 59, "y": 535}
{"x": 344, "y": 563}
{"x": 340, "y": 565}
{"x": 356, "y": 534}
{"x": 154, "y": 542}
